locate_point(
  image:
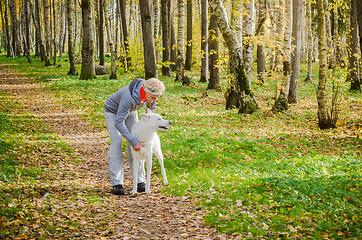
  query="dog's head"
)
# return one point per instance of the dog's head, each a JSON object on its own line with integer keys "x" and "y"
{"x": 155, "y": 121}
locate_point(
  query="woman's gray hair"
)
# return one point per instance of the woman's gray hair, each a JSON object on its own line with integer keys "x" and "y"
{"x": 154, "y": 86}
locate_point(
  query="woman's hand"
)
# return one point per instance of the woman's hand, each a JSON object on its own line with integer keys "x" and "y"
{"x": 137, "y": 147}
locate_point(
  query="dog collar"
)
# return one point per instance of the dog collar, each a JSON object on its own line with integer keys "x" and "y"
{"x": 143, "y": 94}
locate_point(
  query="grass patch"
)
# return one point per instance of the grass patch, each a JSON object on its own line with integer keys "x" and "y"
{"x": 262, "y": 175}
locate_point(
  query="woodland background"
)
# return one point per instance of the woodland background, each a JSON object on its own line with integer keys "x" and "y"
{"x": 265, "y": 97}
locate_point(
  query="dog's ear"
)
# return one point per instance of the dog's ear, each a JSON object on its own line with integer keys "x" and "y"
{"x": 148, "y": 111}
{"x": 144, "y": 115}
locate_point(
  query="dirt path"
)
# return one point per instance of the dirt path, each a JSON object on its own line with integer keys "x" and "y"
{"x": 155, "y": 216}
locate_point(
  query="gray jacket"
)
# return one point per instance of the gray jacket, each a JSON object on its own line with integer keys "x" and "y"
{"x": 124, "y": 102}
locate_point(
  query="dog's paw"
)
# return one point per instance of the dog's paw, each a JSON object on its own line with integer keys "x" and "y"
{"x": 148, "y": 192}
{"x": 165, "y": 183}
{"x": 134, "y": 191}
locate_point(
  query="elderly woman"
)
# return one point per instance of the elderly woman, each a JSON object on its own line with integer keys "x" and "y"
{"x": 120, "y": 112}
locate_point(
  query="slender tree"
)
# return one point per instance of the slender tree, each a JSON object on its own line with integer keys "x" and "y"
{"x": 180, "y": 63}
{"x": 5, "y": 22}
{"x": 249, "y": 29}
{"x": 214, "y": 81}
{"x": 27, "y": 30}
{"x": 296, "y": 54}
{"x": 46, "y": 10}
{"x": 87, "y": 71}
{"x": 327, "y": 119}
{"x": 148, "y": 40}
{"x": 239, "y": 91}
{"x": 260, "y": 31}
{"x": 54, "y": 35}
{"x": 101, "y": 32}
{"x": 44, "y": 57}
{"x": 204, "y": 43}
{"x": 188, "y": 62}
{"x": 352, "y": 49}
{"x": 122, "y": 6}
{"x": 359, "y": 20}
{"x": 72, "y": 66}
{"x": 15, "y": 29}
{"x": 281, "y": 100}
{"x": 310, "y": 40}
{"x": 165, "y": 38}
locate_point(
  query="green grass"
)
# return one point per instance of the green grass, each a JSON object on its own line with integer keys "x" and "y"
{"x": 262, "y": 175}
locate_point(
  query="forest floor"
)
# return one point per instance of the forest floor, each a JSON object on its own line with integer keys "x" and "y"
{"x": 65, "y": 187}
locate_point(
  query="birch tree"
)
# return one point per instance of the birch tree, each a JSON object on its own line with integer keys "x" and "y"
{"x": 239, "y": 93}
{"x": 46, "y": 14}
{"x": 296, "y": 54}
{"x": 309, "y": 41}
{"x": 327, "y": 119}
{"x": 180, "y": 62}
{"x": 249, "y": 29}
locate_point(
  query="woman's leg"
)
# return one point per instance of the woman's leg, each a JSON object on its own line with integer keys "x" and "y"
{"x": 115, "y": 155}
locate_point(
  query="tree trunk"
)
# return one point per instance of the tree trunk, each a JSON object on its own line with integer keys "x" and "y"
{"x": 46, "y": 8}
{"x": 188, "y": 62}
{"x": 310, "y": 41}
{"x": 15, "y": 29}
{"x": 359, "y": 19}
{"x": 180, "y": 64}
{"x": 239, "y": 92}
{"x": 148, "y": 40}
{"x": 101, "y": 33}
{"x": 27, "y": 30}
{"x": 260, "y": 48}
{"x": 247, "y": 46}
{"x": 125, "y": 34}
{"x": 237, "y": 19}
{"x": 276, "y": 63}
{"x": 296, "y": 55}
{"x": 55, "y": 35}
{"x": 5, "y": 23}
{"x": 113, "y": 62}
{"x": 61, "y": 19}
{"x": 281, "y": 101}
{"x": 156, "y": 26}
{"x": 87, "y": 71}
{"x": 204, "y": 44}
{"x": 173, "y": 56}
{"x": 72, "y": 66}
{"x": 43, "y": 55}
{"x": 214, "y": 82}
{"x": 352, "y": 49}
{"x": 165, "y": 38}
{"x": 325, "y": 119}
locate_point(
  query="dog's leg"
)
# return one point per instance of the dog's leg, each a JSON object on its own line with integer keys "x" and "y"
{"x": 158, "y": 153}
{"x": 149, "y": 170}
{"x": 136, "y": 162}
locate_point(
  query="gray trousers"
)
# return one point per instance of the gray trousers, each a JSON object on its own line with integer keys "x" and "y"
{"x": 115, "y": 155}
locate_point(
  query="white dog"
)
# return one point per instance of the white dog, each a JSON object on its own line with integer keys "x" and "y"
{"x": 145, "y": 131}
